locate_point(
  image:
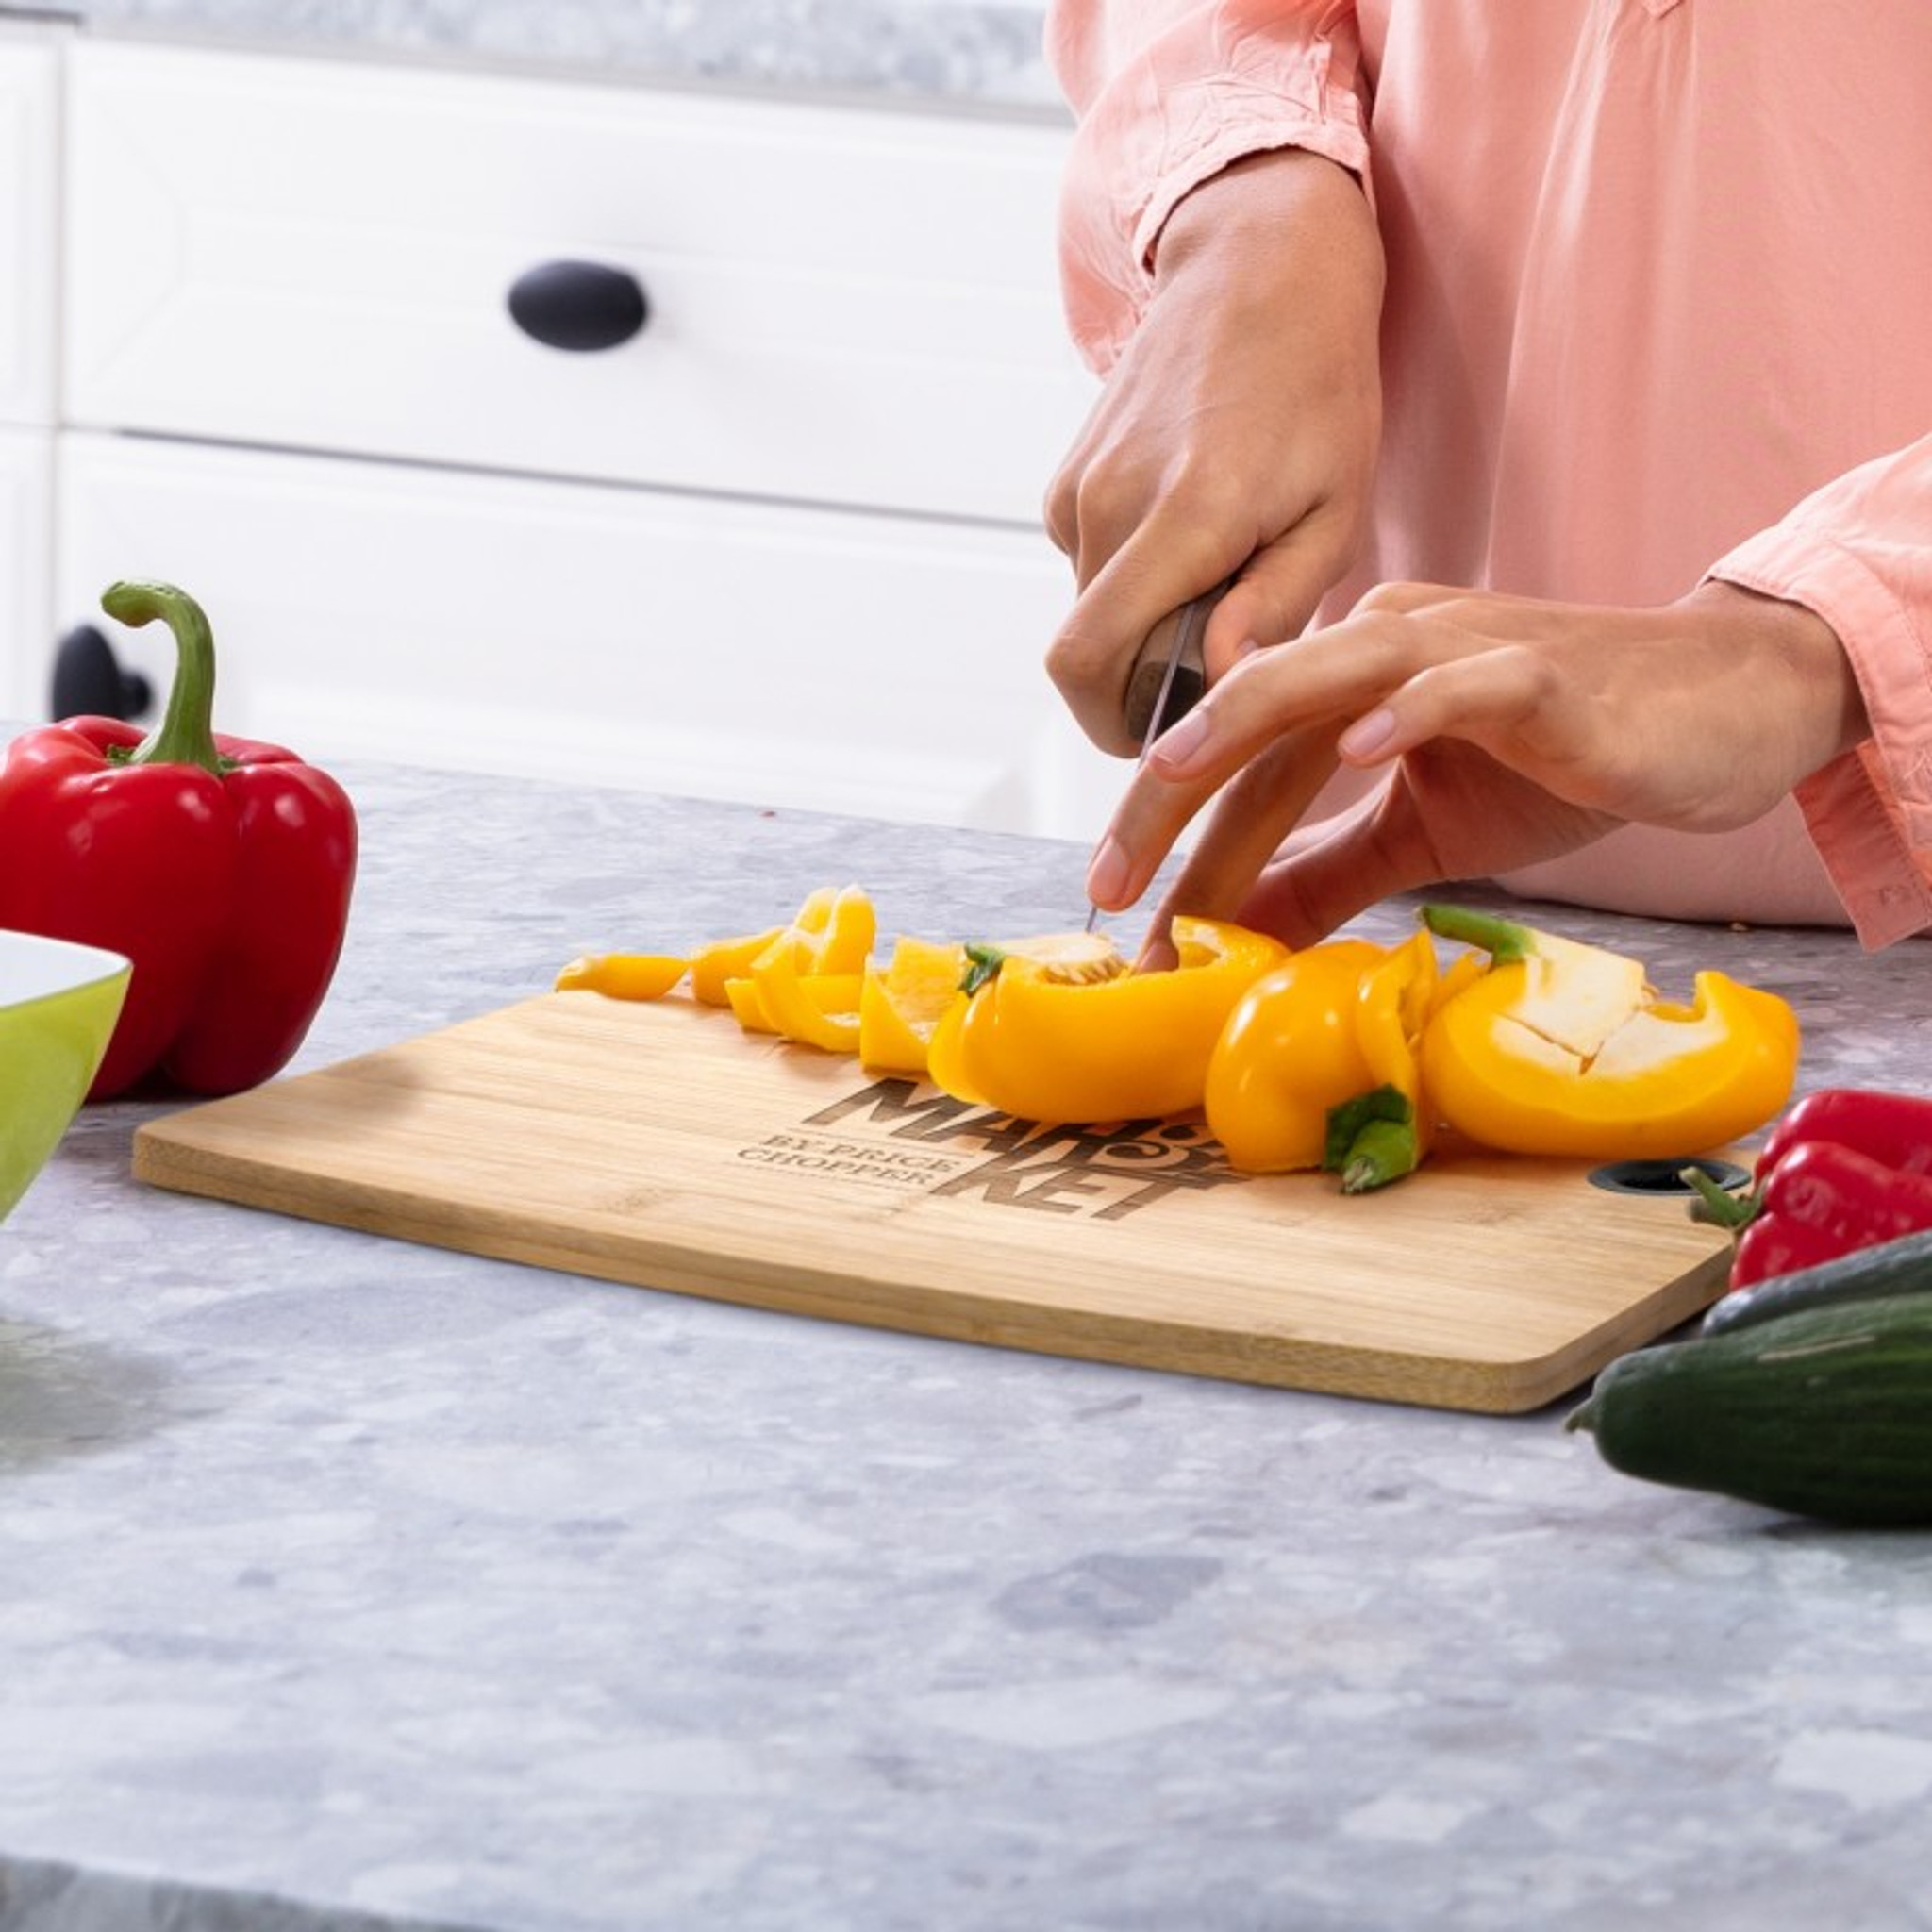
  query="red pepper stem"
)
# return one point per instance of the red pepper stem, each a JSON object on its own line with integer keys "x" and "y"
{"x": 1717, "y": 1204}
{"x": 186, "y": 734}
{"x": 1503, "y": 939}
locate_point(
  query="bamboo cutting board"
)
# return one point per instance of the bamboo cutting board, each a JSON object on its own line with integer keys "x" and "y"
{"x": 661, "y": 1145}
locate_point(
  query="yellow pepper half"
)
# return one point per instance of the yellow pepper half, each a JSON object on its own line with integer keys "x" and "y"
{"x": 1317, "y": 1064}
{"x": 1041, "y": 1047}
{"x": 1562, "y": 1048}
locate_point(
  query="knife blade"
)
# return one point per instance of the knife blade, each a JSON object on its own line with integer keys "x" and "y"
{"x": 1168, "y": 680}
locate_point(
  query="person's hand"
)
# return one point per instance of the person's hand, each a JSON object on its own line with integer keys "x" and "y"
{"x": 1507, "y": 731}
{"x": 1236, "y": 432}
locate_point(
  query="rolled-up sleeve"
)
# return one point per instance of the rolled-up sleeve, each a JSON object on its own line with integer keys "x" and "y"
{"x": 1166, "y": 93}
{"x": 1858, "y": 552}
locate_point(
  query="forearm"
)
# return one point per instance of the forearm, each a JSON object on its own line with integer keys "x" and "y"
{"x": 1168, "y": 94}
{"x": 1857, "y": 553}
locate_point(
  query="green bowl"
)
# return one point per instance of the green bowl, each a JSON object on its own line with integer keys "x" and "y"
{"x": 59, "y": 1003}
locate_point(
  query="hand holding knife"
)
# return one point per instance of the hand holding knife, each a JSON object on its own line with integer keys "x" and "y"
{"x": 1168, "y": 680}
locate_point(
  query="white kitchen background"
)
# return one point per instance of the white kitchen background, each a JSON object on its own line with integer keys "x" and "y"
{"x": 780, "y": 545}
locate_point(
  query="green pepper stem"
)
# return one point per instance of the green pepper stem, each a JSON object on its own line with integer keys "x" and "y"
{"x": 1718, "y": 1205}
{"x": 983, "y": 963}
{"x": 1382, "y": 1152}
{"x": 1583, "y": 1417}
{"x": 186, "y": 734}
{"x": 1503, "y": 939}
{"x": 1372, "y": 1140}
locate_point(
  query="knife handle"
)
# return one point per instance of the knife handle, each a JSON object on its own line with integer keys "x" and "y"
{"x": 1150, "y": 668}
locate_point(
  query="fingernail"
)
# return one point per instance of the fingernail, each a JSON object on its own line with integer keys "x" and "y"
{"x": 1367, "y": 735}
{"x": 1246, "y": 648}
{"x": 1106, "y": 873}
{"x": 1179, "y": 742}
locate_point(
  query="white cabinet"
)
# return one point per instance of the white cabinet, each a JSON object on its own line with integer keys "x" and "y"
{"x": 29, "y": 186}
{"x": 691, "y": 644}
{"x": 26, "y": 600}
{"x": 779, "y": 544}
{"x": 29, "y": 135}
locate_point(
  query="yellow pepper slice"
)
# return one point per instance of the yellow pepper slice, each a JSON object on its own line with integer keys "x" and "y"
{"x": 712, "y": 966}
{"x": 1292, "y": 1050}
{"x": 815, "y": 1009}
{"x": 1561, "y": 1048}
{"x": 747, "y": 1005}
{"x": 832, "y": 932}
{"x": 624, "y": 976}
{"x": 1129, "y": 1047}
{"x": 833, "y": 926}
{"x": 901, "y": 1003}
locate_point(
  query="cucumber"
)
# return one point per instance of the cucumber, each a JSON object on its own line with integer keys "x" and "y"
{"x": 1896, "y": 1267}
{"x": 1824, "y": 1411}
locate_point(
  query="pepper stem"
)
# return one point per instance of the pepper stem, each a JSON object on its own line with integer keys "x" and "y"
{"x": 186, "y": 734}
{"x": 1372, "y": 1140}
{"x": 1717, "y": 1204}
{"x": 983, "y": 963}
{"x": 1503, "y": 939}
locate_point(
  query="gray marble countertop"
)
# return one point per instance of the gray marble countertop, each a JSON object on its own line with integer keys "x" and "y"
{"x": 346, "y": 1584}
{"x": 974, "y": 55}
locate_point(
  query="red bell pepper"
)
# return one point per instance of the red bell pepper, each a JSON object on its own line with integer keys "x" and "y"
{"x": 1845, "y": 1168}
{"x": 1894, "y": 1128}
{"x": 220, "y": 866}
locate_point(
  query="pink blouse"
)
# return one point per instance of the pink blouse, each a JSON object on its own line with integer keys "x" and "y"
{"x": 1659, "y": 307}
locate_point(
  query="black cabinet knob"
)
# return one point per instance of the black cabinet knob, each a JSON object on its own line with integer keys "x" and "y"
{"x": 578, "y": 305}
{"x": 90, "y": 681}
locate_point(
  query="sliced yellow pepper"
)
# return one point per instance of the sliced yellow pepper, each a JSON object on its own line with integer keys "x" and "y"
{"x": 815, "y": 1009}
{"x": 1317, "y": 1064}
{"x": 833, "y": 924}
{"x": 1562, "y": 1048}
{"x": 713, "y": 966}
{"x": 1037, "y": 1046}
{"x": 832, "y": 932}
{"x": 1290, "y": 1051}
{"x": 624, "y": 976}
{"x": 830, "y": 936}
{"x": 902, "y": 1001}
{"x": 747, "y": 1005}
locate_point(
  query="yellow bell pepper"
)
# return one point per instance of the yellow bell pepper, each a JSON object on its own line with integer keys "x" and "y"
{"x": 1564, "y": 1048}
{"x": 624, "y": 976}
{"x": 1317, "y": 1064}
{"x": 1040, "y": 1046}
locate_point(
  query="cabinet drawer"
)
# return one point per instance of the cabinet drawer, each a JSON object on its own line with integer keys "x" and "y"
{"x": 845, "y": 306}
{"x": 812, "y": 659}
{"x": 30, "y": 196}
{"x": 26, "y": 571}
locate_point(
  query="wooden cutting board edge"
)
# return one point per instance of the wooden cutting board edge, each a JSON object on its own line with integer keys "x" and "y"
{"x": 854, "y": 1294}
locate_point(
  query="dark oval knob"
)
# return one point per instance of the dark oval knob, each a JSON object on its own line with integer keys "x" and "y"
{"x": 90, "y": 681}
{"x": 578, "y": 305}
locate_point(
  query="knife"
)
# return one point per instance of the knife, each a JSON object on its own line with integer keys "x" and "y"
{"x": 1170, "y": 673}
{"x": 1168, "y": 680}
